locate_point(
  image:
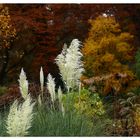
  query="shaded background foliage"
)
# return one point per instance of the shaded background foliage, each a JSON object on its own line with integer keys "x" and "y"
{"x": 42, "y": 29}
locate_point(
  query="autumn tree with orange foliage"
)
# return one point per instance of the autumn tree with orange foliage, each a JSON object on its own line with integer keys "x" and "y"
{"x": 108, "y": 50}
{"x": 7, "y": 34}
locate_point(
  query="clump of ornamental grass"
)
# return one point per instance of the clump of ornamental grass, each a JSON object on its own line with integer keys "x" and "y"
{"x": 48, "y": 122}
{"x": 20, "y": 115}
{"x": 64, "y": 121}
{"x": 70, "y": 64}
{"x": 51, "y": 121}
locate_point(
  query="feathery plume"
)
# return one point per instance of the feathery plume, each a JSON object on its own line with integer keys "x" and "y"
{"x": 39, "y": 100}
{"x": 51, "y": 87}
{"x": 20, "y": 118}
{"x": 70, "y": 64}
{"x": 23, "y": 84}
{"x": 60, "y": 100}
{"x": 60, "y": 94}
{"x": 41, "y": 80}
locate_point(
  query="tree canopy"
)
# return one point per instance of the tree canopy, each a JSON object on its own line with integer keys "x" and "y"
{"x": 42, "y": 29}
{"x": 108, "y": 50}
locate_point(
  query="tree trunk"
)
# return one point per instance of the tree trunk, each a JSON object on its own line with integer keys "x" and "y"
{"x": 3, "y": 72}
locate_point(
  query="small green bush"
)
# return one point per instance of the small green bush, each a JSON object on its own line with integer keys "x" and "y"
{"x": 86, "y": 102}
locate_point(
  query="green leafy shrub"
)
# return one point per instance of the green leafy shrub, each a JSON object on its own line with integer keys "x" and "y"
{"x": 136, "y": 91}
{"x": 89, "y": 103}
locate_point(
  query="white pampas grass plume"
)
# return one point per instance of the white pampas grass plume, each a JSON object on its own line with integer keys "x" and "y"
{"x": 70, "y": 64}
{"x": 23, "y": 84}
{"x": 51, "y": 87}
{"x": 60, "y": 95}
{"x": 41, "y": 80}
{"x": 39, "y": 100}
{"x": 20, "y": 118}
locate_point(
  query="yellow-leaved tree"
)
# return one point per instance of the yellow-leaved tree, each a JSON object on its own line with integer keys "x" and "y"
{"x": 7, "y": 35}
{"x": 7, "y": 32}
{"x": 108, "y": 53}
